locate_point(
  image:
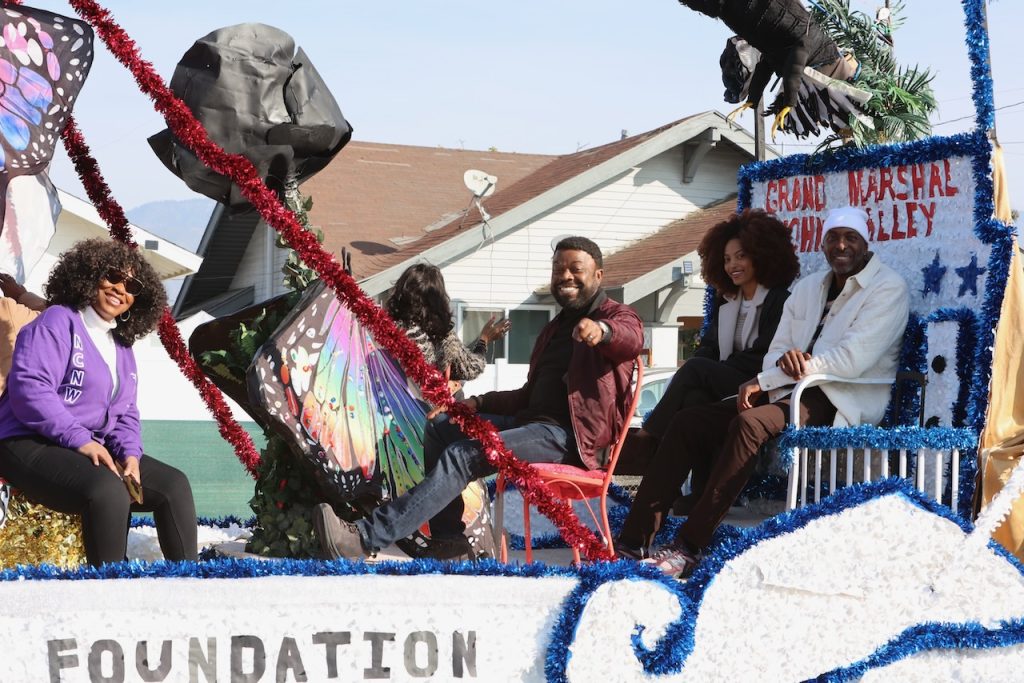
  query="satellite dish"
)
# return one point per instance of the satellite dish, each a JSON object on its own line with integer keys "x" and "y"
{"x": 480, "y": 183}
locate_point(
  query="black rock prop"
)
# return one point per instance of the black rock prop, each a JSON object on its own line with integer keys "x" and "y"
{"x": 256, "y": 96}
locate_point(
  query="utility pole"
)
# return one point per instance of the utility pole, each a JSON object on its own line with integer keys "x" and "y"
{"x": 759, "y": 151}
{"x": 988, "y": 62}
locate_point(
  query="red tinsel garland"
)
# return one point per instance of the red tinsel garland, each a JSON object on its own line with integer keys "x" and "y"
{"x": 113, "y": 215}
{"x": 191, "y": 133}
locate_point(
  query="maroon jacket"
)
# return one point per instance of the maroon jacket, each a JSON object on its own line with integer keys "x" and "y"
{"x": 599, "y": 379}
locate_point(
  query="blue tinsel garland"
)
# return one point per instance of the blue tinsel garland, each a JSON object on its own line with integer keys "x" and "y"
{"x": 981, "y": 75}
{"x": 216, "y": 522}
{"x": 870, "y": 436}
{"x": 671, "y": 651}
{"x": 933, "y": 636}
{"x": 967, "y": 333}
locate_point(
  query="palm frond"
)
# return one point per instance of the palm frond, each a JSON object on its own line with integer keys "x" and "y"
{"x": 902, "y": 96}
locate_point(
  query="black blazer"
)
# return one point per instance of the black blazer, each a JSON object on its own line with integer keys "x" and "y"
{"x": 748, "y": 360}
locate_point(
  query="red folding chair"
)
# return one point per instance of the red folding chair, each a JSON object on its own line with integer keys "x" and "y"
{"x": 568, "y": 482}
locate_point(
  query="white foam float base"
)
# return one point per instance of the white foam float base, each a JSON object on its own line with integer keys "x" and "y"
{"x": 844, "y": 588}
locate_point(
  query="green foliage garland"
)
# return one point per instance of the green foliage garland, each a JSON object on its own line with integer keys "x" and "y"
{"x": 285, "y": 493}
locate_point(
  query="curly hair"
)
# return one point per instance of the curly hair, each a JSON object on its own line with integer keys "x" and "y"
{"x": 765, "y": 241}
{"x": 74, "y": 282}
{"x": 420, "y": 298}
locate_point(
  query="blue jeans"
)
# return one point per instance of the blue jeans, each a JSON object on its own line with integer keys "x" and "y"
{"x": 453, "y": 461}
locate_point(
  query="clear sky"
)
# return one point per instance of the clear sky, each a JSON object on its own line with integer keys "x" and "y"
{"x": 541, "y": 76}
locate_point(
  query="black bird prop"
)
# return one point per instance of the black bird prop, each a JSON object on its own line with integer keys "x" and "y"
{"x": 794, "y": 47}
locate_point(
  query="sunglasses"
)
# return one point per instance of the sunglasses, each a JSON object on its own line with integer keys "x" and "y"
{"x": 131, "y": 285}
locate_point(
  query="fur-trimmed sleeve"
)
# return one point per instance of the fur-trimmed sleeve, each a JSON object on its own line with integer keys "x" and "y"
{"x": 418, "y": 337}
{"x": 466, "y": 362}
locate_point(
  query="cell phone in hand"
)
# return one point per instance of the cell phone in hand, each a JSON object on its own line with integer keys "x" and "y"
{"x": 133, "y": 486}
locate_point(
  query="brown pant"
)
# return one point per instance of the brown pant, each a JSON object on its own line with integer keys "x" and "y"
{"x": 714, "y": 437}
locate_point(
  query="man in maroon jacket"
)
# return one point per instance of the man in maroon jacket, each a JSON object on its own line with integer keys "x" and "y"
{"x": 574, "y": 402}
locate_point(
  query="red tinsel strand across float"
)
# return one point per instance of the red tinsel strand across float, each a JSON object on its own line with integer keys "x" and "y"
{"x": 95, "y": 186}
{"x": 191, "y": 133}
{"x": 232, "y": 432}
{"x": 113, "y": 215}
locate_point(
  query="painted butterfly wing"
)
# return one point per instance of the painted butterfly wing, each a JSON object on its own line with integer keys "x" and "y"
{"x": 44, "y": 61}
{"x": 345, "y": 407}
{"x": 307, "y": 383}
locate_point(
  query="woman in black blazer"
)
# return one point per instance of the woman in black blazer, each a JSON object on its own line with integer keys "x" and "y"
{"x": 750, "y": 262}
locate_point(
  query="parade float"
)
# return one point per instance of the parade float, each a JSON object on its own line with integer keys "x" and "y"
{"x": 893, "y": 579}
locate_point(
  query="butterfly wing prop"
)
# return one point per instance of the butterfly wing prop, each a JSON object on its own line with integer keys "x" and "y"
{"x": 345, "y": 407}
{"x": 44, "y": 61}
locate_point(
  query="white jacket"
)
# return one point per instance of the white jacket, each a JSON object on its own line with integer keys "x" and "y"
{"x": 861, "y": 337}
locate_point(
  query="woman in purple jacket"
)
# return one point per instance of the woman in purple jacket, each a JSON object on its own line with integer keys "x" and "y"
{"x": 69, "y": 420}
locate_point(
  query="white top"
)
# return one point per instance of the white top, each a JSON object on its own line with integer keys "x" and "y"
{"x": 102, "y": 334}
{"x": 748, "y": 308}
{"x": 731, "y": 327}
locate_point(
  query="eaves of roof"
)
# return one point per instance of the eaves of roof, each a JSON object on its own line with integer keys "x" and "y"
{"x": 556, "y": 183}
{"x": 646, "y": 266}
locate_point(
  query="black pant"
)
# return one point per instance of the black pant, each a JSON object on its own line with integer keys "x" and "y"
{"x": 66, "y": 481}
{"x": 699, "y": 382}
{"x": 725, "y": 443}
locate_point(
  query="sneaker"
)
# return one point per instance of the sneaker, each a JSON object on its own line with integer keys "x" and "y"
{"x": 338, "y": 538}
{"x": 629, "y": 552}
{"x": 675, "y": 561}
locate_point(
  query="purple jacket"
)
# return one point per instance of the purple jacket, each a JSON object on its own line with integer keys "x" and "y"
{"x": 599, "y": 379}
{"x": 59, "y": 388}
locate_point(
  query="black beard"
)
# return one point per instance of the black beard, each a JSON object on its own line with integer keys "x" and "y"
{"x": 580, "y": 303}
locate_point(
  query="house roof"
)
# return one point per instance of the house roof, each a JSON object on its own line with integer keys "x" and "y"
{"x": 169, "y": 259}
{"x": 372, "y": 199}
{"x": 559, "y": 181}
{"x": 646, "y": 265}
{"x": 558, "y": 171}
{"x": 376, "y": 263}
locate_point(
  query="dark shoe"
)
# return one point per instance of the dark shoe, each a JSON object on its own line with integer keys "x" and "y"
{"x": 629, "y": 552}
{"x": 675, "y": 561}
{"x": 338, "y": 538}
{"x": 449, "y": 548}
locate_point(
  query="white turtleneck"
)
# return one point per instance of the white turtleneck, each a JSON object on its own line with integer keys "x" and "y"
{"x": 101, "y": 333}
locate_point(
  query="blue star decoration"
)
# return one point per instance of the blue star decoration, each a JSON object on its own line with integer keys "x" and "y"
{"x": 933, "y": 275}
{"x": 969, "y": 275}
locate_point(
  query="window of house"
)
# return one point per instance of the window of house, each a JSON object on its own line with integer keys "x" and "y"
{"x": 518, "y": 343}
{"x": 526, "y": 325}
{"x": 473, "y": 320}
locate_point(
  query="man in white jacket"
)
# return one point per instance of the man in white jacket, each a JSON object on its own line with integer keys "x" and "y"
{"x": 847, "y": 321}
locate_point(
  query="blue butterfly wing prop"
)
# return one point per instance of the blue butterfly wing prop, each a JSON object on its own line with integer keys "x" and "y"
{"x": 44, "y": 61}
